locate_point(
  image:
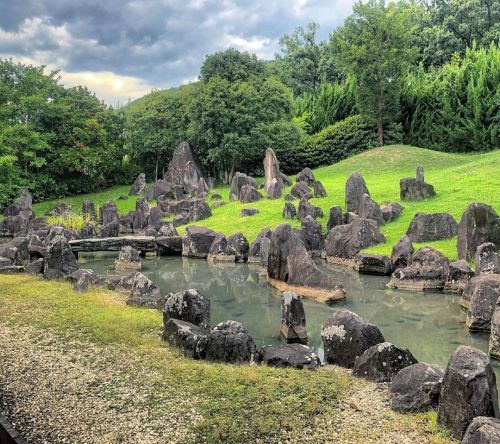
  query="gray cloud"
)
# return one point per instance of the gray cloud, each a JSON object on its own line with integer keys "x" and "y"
{"x": 161, "y": 43}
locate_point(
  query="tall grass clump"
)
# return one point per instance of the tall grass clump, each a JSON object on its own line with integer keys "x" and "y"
{"x": 71, "y": 221}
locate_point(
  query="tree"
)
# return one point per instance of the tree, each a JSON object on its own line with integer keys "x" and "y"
{"x": 372, "y": 45}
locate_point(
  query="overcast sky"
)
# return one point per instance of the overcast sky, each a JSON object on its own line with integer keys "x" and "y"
{"x": 122, "y": 49}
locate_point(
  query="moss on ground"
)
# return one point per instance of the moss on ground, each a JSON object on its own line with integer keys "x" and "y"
{"x": 236, "y": 404}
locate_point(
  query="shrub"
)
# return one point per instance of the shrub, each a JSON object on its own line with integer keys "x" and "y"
{"x": 71, "y": 221}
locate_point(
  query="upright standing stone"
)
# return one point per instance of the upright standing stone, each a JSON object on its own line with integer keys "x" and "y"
{"x": 468, "y": 390}
{"x": 402, "y": 253}
{"x": 139, "y": 185}
{"x": 307, "y": 176}
{"x": 141, "y": 214}
{"x": 184, "y": 170}
{"x": 293, "y": 319}
{"x": 311, "y": 231}
{"x": 368, "y": 209}
{"x": 60, "y": 260}
{"x": 274, "y": 190}
{"x": 494, "y": 345}
{"x": 319, "y": 189}
{"x": 88, "y": 208}
{"x": 334, "y": 218}
{"x": 108, "y": 213}
{"x": 487, "y": 259}
{"x": 272, "y": 171}
{"x": 420, "y": 173}
{"x": 355, "y": 187}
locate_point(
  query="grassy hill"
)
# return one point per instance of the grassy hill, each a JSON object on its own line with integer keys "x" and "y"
{"x": 457, "y": 178}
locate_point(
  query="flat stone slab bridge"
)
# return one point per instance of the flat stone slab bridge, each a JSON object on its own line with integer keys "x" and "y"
{"x": 144, "y": 244}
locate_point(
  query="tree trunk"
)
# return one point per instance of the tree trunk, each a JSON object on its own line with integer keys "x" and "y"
{"x": 380, "y": 133}
{"x": 157, "y": 163}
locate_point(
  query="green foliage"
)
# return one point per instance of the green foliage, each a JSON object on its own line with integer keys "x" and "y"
{"x": 373, "y": 46}
{"x": 334, "y": 102}
{"x": 71, "y": 221}
{"x": 456, "y": 108}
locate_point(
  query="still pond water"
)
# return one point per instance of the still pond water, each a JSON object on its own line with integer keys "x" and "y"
{"x": 431, "y": 325}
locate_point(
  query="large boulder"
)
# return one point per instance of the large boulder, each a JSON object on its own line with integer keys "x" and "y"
{"x": 184, "y": 170}
{"x": 272, "y": 172}
{"x": 344, "y": 242}
{"x": 482, "y": 287}
{"x": 494, "y": 344}
{"x": 189, "y": 306}
{"x": 307, "y": 176}
{"x": 319, "y": 189}
{"x": 111, "y": 229}
{"x": 274, "y": 190}
{"x": 301, "y": 190}
{"x": 200, "y": 210}
{"x": 196, "y": 241}
{"x": 411, "y": 189}
{"x": 230, "y": 342}
{"x": 381, "y": 362}
{"x": 60, "y": 260}
{"x": 259, "y": 248}
{"x": 297, "y": 356}
{"x": 238, "y": 182}
{"x": 220, "y": 250}
{"x": 289, "y": 263}
{"x": 249, "y": 194}
{"x": 416, "y": 388}
{"x": 346, "y": 335}
{"x": 139, "y": 185}
{"x": 239, "y": 243}
{"x": 483, "y": 296}
{"x": 482, "y": 430}
{"x": 108, "y": 212}
{"x": 355, "y": 187}
{"x": 307, "y": 209}
{"x": 167, "y": 229}
{"x": 402, "y": 253}
{"x": 428, "y": 270}
{"x": 459, "y": 275}
{"x": 468, "y": 390}
{"x": 141, "y": 215}
{"x": 479, "y": 224}
{"x": 192, "y": 340}
{"x": 293, "y": 319}
{"x": 311, "y": 231}
{"x": 160, "y": 188}
{"x": 128, "y": 259}
{"x": 88, "y": 231}
{"x": 431, "y": 227}
{"x": 487, "y": 259}
{"x": 16, "y": 251}
{"x": 289, "y": 211}
{"x": 391, "y": 211}
{"x": 334, "y": 217}
{"x": 368, "y": 263}
{"x": 169, "y": 245}
{"x": 368, "y": 209}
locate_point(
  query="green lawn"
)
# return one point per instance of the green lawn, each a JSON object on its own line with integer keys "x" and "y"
{"x": 457, "y": 178}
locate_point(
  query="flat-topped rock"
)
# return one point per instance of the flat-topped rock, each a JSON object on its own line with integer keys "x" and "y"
{"x": 369, "y": 263}
{"x": 307, "y": 209}
{"x": 297, "y": 356}
{"x": 189, "y": 338}
{"x": 459, "y": 275}
{"x": 249, "y": 194}
{"x": 141, "y": 243}
{"x": 432, "y": 227}
{"x": 248, "y": 212}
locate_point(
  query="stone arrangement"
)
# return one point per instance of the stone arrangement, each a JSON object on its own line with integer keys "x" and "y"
{"x": 415, "y": 188}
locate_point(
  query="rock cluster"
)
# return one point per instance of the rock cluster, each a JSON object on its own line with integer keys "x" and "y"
{"x": 415, "y": 188}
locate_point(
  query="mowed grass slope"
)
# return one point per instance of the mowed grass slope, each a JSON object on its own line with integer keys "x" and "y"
{"x": 457, "y": 178}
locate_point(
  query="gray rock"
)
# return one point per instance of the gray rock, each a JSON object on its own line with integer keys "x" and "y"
{"x": 60, "y": 209}
{"x": 289, "y": 211}
{"x": 411, "y": 189}
{"x": 301, "y": 190}
{"x": 293, "y": 319}
{"x": 346, "y": 335}
{"x": 459, "y": 275}
{"x": 297, "y": 356}
{"x": 34, "y": 267}
{"x": 88, "y": 207}
{"x": 368, "y": 209}
{"x": 272, "y": 172}
{"x": 307, "y": 176}
{"x": 307, "y": 209}
{"x": 88, "y": 231}
{"x": 334, "y": 218}
{"x": 181, "y": 219}
{"x": 238, "y": 182}
{"x": 431, "y": 227}
{"x": 381, "y": 362}
{"x": 249, "y": 194}
{"x": 110, "y": 230}
{"x": 141, "y": 215}
{"x": 220, "y": 250}
{"x": 259, "y": 248}
{"x": 239, "y": 243}
{"x": 196, "y": 241}
{"x": 202, "y": 190}
{"x": 416, "y": 388}
{"x": 60, "y": 260}
{"x": 16, "y": 251}
{"x": 319, "y": 189}
{"x": 139, "y": 185}
{"x": 494, "y": 344}
{"x": 286, "y": 180}
{"x": 84, "y": 279}
{"x": 167, "y": 229}
{"x": 289, "y": 197}
{"x": 479, "y": 224}
{"x": 219, "y": 203}
{"x": 274, "y": 190}
{"x": 160, "y": 188}
{"x": 215, "y": 196}
{"x": 128, "y": 259}
{"x": 188, "y": 306}
{"x": 126, "y": 223}
{"x": 311, "y": 231}
{"x": 373, "y": 264}
{"x": 482, "y": 430}
{"x": 355, "y": 187}
{"x": 402, "y": 253}
{"x": 484, "y": 286}
{"x": 191, "y": 339}
{"x": 169, "y": 245}
{"x": 468, "y": 390}
{"x": 248, "y": 212}
{"x": 346, "y": 241}
{"x": 420, "y": 173}
{"x": 155, "y": 219}
{"x": 184, "y": 170}
{"x": 199, "y": 211}
{"x": 230, "y": 342}
{"x": 108, "y": 213}
{"x": 391, "y": 211}
{"x": 483, "y": 296}
{"x": 487, "y": 259}
{"x": 25, "y": 199}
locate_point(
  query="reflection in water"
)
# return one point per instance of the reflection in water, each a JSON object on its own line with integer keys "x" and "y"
{"x": 431, "y": 325}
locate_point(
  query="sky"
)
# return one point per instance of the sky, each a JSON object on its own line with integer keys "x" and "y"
{"x": 121, "y": 49}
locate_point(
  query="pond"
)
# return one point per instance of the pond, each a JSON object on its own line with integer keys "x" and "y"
{"x": 431, "y": 325}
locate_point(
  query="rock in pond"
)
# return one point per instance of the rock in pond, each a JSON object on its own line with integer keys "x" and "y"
{"x": 239, "y": 243}
{"x": 128, "y": 259}
{"x": 196, "y": 241}
{"x": 355, "y": 187}
{"x": 483, "y": 294}
{"x": 487, "y": 259}
{"x": 428, "y": 270}
{"x": 220, "y": 250}
{"x": 188, "y": 306}
{"x": 192, "y": 340}
{"x": 479, "y": 224}
{"x": 346, "y": 335}
{"x": 298, "y": 356}
{"x": 482, "y": 430}
{"x": 368, "y": 263}
{"x": 230, "y": 342}
{"x": 482, "y": 287}
{"x": 169, "y": 245}
{"x": 431, "y": 227}
{"x": 468, "y": 390}
{"x": 381, "y": 362}
{"x": 416, "y": 388}
{"x": 459, "y": 275}
{"x": 291, "y": 268}
{"x": 259, "y": 249}
{"x": 293, "y": 319}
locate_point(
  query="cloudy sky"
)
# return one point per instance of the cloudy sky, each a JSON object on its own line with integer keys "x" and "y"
{"x": 122, "y": 49}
